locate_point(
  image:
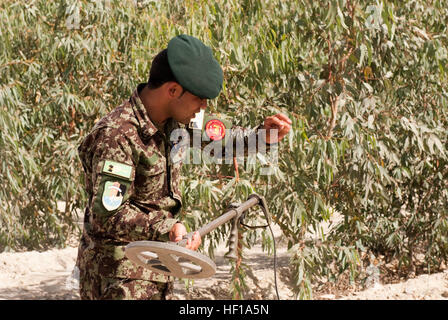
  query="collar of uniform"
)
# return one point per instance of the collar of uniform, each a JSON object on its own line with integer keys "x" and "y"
{"x": 147, "y": 126}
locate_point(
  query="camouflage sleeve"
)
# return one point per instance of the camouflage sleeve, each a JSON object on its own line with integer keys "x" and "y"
{"x": 114, "y": 215}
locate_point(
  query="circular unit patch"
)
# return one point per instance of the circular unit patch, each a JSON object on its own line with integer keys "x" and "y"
{"x": 215, "y": 129}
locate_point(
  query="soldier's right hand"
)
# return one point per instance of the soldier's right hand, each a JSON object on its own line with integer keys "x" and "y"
{"x": 178, "y": 231}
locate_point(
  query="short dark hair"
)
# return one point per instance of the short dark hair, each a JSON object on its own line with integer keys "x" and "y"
{"x": 160, "y": 71}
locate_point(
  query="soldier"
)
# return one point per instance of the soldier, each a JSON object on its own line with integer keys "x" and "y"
{"x": 132, "y": 182}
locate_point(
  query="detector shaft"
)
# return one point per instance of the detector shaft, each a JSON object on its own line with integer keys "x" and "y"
{"x": 229, "y": 215}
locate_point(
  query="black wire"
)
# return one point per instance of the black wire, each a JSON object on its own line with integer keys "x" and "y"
{"x": 275, "y": 262}
{"x": 252, "y": 227}
{"x": 264, "y": 207}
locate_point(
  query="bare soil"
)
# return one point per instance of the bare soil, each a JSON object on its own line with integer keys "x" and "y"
{"x": 47, "y": 276}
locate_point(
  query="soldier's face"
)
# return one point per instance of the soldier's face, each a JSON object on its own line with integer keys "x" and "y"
{"x": 184, "y": 108}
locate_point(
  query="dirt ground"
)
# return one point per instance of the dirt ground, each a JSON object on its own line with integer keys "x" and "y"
{"x": 48, "y": 276}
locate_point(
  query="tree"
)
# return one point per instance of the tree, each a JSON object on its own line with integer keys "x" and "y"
{"x": 365, "y": 83}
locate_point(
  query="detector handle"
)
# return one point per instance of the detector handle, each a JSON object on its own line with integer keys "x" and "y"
{"x": 232, "y": 254}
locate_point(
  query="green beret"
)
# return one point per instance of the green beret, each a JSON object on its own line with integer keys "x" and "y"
{"x": 194, "y": 66}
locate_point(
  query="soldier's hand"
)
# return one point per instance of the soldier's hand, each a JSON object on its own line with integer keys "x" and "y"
{"x": 279, "y": 122}
{"x": 178, "y": 231}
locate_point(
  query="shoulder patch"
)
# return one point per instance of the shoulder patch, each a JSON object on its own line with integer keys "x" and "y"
{"x": 117, "y": 169}
{"x": 113, "y": 194}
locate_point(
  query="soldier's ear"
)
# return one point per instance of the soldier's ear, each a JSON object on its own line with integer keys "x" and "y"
{"x": 174, "y": 90}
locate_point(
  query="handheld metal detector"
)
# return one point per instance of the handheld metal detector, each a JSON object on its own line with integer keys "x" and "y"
{"x": 173, "y": 259}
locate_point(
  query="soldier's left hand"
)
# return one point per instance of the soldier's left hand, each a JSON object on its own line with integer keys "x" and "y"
{"x": 280, "y": 122}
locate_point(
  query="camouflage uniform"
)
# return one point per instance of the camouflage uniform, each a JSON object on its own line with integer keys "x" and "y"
{"x": 133, "y": 189}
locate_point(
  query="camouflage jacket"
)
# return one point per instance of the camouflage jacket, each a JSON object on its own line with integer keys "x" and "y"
{"x": 133, "y": 189}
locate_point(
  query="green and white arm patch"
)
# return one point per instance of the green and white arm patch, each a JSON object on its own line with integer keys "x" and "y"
{"x": 113, "y": 189}
{"x": 117, "y": 169}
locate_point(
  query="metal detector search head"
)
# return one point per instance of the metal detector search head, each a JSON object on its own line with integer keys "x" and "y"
{"x": 170, "y": 259}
